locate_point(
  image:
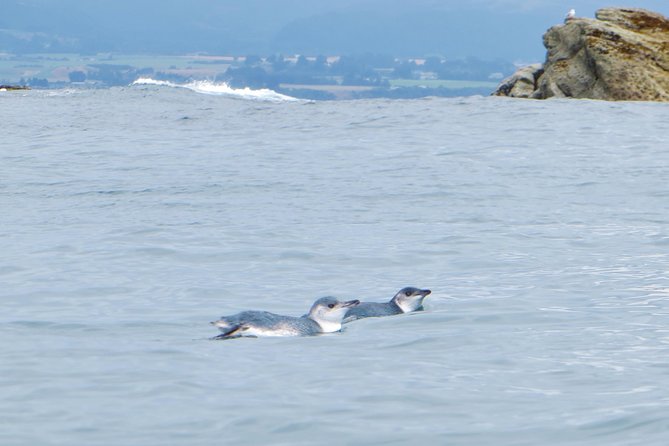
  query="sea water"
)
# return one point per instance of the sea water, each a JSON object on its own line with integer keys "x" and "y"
{"x": 132, "y": 217}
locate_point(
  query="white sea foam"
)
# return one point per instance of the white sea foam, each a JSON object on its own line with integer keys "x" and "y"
{"x": 221, "y": 89}
{"x": 149, "y": 81}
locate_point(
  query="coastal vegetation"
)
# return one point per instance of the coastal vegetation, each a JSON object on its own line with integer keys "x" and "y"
{"x": 315, "y": 77}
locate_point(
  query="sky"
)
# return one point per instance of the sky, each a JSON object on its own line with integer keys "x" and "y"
{"x": 491, "y": 29}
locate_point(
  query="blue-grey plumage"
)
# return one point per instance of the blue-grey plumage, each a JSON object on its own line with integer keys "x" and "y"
{"x": 406, "y": 300}
{"x": 325, "y": 316}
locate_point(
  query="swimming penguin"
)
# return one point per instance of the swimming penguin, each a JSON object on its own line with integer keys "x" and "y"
{"x": 325, "y": 316}
{"x": 405, "y": 301}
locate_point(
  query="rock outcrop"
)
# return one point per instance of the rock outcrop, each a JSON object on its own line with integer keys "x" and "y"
{"x": 13, "y": 87}
{"x": 622, "y": 55}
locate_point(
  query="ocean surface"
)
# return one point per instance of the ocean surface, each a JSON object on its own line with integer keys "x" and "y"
{"x": 132, "y": 217}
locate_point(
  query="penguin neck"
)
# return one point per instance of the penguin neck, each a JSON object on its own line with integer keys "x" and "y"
{"x": 407, "y": 307}
{"x": 328, "y": 326}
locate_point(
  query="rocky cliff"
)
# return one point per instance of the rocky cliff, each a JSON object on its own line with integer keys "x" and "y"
{"x": 13, "y": 87}
{"x": 623, "y": 55}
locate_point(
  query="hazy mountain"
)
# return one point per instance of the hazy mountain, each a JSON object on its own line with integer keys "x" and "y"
{"x": 508, "y": 29}
{"x": 416, "y": 32}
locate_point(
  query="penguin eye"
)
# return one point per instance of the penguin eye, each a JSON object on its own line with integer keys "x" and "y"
{"x": 407, "y": 293}
{"x": 330, "y": 305}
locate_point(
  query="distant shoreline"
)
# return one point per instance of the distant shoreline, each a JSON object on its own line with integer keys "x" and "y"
{"x": 307, "y": 77}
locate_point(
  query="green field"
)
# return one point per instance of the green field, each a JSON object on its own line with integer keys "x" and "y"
{"x": 55, "y": 66}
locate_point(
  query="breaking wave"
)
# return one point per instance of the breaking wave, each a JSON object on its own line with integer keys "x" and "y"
{"x": 221, "y": 89}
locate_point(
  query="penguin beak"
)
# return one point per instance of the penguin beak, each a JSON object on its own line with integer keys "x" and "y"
{"x": 424, "y": 292}
{"x": 350, "y": 303}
